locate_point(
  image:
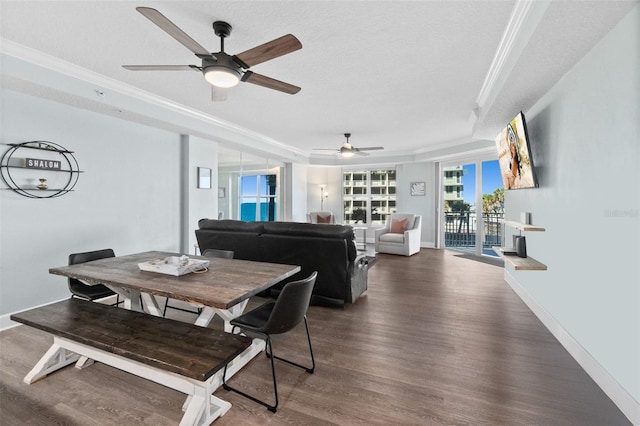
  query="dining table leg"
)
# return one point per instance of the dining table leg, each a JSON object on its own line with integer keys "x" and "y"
{"x": 151, "y": 304}
{"x": 208, "y": 312}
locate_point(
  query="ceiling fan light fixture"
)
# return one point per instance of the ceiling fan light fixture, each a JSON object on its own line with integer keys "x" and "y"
{"x": 346, "y": 154}
{"x": 221, "y": 76}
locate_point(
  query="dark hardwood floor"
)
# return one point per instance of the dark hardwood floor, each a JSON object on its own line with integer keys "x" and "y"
{"x": 437, "y": 339}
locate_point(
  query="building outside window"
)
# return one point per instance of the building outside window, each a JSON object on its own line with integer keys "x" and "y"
{"x": 369, "y": 196}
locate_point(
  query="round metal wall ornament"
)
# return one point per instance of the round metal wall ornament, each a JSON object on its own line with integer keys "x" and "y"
{"x": 39, "y": 169}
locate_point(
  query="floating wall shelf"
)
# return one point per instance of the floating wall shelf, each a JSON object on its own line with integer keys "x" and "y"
{"x": 521, "y": 263}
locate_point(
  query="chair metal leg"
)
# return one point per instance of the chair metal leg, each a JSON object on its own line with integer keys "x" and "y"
{"x": 271, "y": 356}
{"x": 198, "y": 311}
{"x": 272, "y": 408}
{"x": 313, "y": 361}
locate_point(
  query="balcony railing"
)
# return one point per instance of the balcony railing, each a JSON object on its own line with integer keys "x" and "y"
{"x": 460, "y": 230}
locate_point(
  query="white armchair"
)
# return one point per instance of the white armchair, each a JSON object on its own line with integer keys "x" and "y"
{"x": 321, "y": 217}
{"x": 405, "y": 238}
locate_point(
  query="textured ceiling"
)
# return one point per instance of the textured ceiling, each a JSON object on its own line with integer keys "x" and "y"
{"x": 403, "y": 75}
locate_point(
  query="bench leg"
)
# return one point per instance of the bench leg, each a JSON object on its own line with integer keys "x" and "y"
{"x": 54, "y": 359}
{"x": 202, "y": 408}
{"x": 83, "y": 362}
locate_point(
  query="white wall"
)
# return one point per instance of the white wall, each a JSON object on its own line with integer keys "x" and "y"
{"x": 332, "y": 177}
{"x": 585, "y": 137}
{"x": 422, "y": 205}
{"x": 296, "y": 179}
{"x": 203, "y": 202}
{"x": 126, "y": 198}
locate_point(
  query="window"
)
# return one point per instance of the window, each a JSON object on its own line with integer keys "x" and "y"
{"x": 258, "y": 198}
{"x": 369, "y": 196}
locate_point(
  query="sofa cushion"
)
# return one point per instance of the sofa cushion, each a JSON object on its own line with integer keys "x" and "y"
{"x": 231, "y": 225}
{"x": 391, "y": 237}
{"x": 398, "y": 226}
{"x": 340, "y": 232}
{"x": 308, "y": 229}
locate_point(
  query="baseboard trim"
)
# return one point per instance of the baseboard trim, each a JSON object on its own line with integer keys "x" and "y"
{"x": 5, "y": 320}
{"x": 610, "y": 386}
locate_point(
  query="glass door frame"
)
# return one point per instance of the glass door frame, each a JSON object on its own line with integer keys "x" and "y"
{"x": 476, "y": 159}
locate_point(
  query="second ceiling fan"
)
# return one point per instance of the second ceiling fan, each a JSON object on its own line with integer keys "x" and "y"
{"x": 220, "y": 69}
{"x": 347, "y": 150}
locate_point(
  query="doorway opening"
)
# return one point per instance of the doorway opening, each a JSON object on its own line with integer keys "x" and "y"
{"x": 472, "y": 206}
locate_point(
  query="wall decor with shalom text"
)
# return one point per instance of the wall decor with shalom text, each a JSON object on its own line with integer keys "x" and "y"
{"x": 39, "y": 169}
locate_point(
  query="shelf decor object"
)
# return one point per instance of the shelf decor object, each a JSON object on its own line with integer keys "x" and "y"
{"x": 19, "y": 164}
{"x": 509, "y": 254}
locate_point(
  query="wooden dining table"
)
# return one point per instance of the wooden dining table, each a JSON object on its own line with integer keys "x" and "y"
{"x": 224, "y": 289}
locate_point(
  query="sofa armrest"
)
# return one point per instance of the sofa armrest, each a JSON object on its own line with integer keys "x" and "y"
{"x": 359, "y": 274}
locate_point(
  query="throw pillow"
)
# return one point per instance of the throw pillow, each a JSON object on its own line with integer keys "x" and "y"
{"x": 398, "y": 226}
{"x": 323, "y": 219}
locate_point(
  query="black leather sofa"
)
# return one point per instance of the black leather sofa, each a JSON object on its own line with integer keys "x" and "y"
{"x": 328, "y": 249}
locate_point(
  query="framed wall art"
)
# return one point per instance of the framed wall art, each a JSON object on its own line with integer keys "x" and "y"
{"x": 418, "y": 188}
{"x": 204, "y": 178}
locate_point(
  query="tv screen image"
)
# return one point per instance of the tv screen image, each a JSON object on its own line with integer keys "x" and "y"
{"x": 514, "y": 155}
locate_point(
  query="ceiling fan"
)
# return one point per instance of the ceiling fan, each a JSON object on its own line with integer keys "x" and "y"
{"x": 220, "y": 69}
{"x": 347, "y": 150}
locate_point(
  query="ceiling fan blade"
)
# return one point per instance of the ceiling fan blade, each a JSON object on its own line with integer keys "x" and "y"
{"x": 172, "y": 29}
{"x": 270, "y": 50}
{"x": 270, "y": 83}
{"x": 370, "y": 148}
{"x": 325, "y": 149}
{"x": 218, "y": 94}
{"x": 161, "y": 67}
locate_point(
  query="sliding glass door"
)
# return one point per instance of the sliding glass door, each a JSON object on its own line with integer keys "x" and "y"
{"x": 459, "y": 207}
{"x": 472, "y": 206}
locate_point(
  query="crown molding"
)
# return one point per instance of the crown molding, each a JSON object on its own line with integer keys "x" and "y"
{"x": 138, "y": 100}
{"x": 524, "y": 19}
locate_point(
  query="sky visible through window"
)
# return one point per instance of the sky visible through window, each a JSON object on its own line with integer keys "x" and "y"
{"x": 491, "y": 180}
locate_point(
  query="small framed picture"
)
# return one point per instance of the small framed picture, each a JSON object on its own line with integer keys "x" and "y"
{"x": 221, "y": 192}
{"x": 204, "y": 178}
{"x": 418, "y": 188}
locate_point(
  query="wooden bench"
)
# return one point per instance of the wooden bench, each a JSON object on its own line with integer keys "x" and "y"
{"x": 181, "y": 356}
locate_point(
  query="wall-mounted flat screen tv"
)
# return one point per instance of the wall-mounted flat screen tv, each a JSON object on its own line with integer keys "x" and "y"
{"x": 514, "y": 155}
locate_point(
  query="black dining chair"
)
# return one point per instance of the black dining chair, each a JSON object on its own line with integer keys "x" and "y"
{"x": 277, "y": 317}
{"x": 222, "y": 254}
{"x": 90, "y": 292}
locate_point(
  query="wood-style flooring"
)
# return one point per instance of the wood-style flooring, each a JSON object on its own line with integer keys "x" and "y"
{"x": 438, "y": 339}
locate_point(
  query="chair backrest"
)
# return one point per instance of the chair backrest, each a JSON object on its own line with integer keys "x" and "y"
{"x": 223, "y": 254}
{"x": 291, "y": 305}
{"x": 88, "y": 256}
{"x": 321, "y": 217}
